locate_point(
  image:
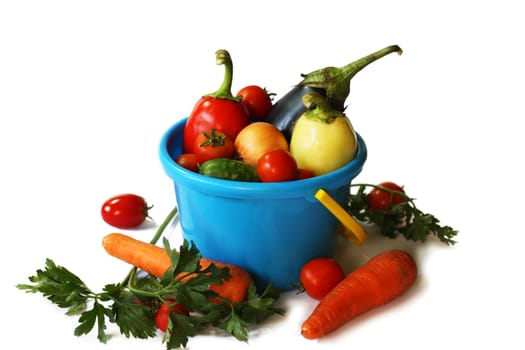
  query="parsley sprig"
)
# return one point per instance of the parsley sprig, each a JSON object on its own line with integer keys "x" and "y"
{"x": 404, "y": 219}
{"x": 132, "y": 303}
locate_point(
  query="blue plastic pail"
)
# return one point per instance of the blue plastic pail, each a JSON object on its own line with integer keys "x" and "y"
{"x": 269, "y": 229}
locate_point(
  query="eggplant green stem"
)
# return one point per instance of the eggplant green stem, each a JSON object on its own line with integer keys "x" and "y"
{"x": 318, "y": 108}
{"x": 160, "y": 231}
{"x": 222, "y": 57}
{"x": 336, "y": 80}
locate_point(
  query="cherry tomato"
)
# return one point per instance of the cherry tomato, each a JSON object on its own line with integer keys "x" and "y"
{"x": 125, "y": 211}
{"x": 163, "y": 314}
{"x": 304, "y": 174}
{"x": 320, "y": 275}
{"x": 212, "y": 144}
{"x": 382, "y": 200}
{"x": 188, "y": 161}
{"x": 277, "y": 165}
{"x": 257, "y": 100}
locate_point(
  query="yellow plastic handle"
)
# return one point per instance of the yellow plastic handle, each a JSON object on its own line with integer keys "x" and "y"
{"x": 354, "y": 232}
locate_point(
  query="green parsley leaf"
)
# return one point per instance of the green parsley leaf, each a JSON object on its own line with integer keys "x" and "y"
{"x": 404, "y": 219}
{"x": 257, "y": 308}
{"x": 88, "y": 319}
{"x": 60, "y": 286}
{"x": 133, "y": 317}
{"x": 180, "y": 328}
{"x": 235, "y": 325}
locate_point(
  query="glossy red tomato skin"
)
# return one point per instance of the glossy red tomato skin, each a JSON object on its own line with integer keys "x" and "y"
{"x": 257, "y": 101}
{"x": 276, "y": 166}
{"x": 381, "y": 200}
{"x": 225, "y": 115}
{"x": 212, "y": 144}
{"x": 188, "y": 161}
{"x": 320, "y": 275}
{"x": 163, "y": 313}
{"x": 303, "y": 174}
{"x": 125, "y": 211}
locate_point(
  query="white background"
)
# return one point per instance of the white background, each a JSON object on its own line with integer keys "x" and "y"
{"x": 88, "y": 87}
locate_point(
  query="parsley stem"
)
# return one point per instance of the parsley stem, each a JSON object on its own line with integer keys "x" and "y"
{"x": 160, "y": 230}
{"x": 152, "y": 293}
{"x": 165, "y": 223}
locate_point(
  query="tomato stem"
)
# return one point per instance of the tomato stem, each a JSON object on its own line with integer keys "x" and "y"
{"x": 222, "y": 57}
{"x": 213, "y": 139}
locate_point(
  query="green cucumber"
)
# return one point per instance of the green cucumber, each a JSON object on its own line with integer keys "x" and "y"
{"x": 229, "y": 169}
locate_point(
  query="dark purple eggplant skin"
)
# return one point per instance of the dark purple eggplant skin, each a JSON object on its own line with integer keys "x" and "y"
{"x": 289, "y": 108}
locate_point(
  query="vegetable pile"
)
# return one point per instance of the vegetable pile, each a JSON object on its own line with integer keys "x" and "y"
{"x": 248, "y": 137}
{"x": 307, "y": 125}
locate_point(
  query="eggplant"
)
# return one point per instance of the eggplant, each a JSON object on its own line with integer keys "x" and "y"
{"x": 330, "y": 82}
{"x": 285, "y": 112}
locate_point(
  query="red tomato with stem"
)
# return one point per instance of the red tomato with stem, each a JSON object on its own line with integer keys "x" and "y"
{"x": 277, "y": 165}
{"x": 257, "y": 100}
{"x": 212, "y": 144}
{"x": 214, "y": 113}
{"x": 384, "y": 199}
{"x": 125, "y": 211}
{"x": 162, "y": 316}
{"x": 320, "y": 275}
{"x": 188, "y": 161}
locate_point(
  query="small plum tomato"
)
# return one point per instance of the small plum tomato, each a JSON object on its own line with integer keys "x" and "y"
{"x": 125, "y": 211}
{"x": 320, "y": 275}
{"x": 277, "y": 165}
{"x": 163, "y": 314}
{"x": 382, "y": 200}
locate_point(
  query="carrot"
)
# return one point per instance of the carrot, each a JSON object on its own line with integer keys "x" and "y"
{"x": 380, "y": 280}
{"x": 155, "y": 261}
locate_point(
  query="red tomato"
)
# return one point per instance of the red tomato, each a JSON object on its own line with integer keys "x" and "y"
{"x": 163, "y": 314}
{"x": 125, "y": 211}
{"x": 277, "y": 165}
{"x": 257, "y": 100}
{"x": 304, "y": 174}
{"x": 382, "y": 200}
{"x": 212, "y": 144}
{"x": 188, "y": 161}
{"x": 225, "y": 115}
{"x": 320, "y": 275}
